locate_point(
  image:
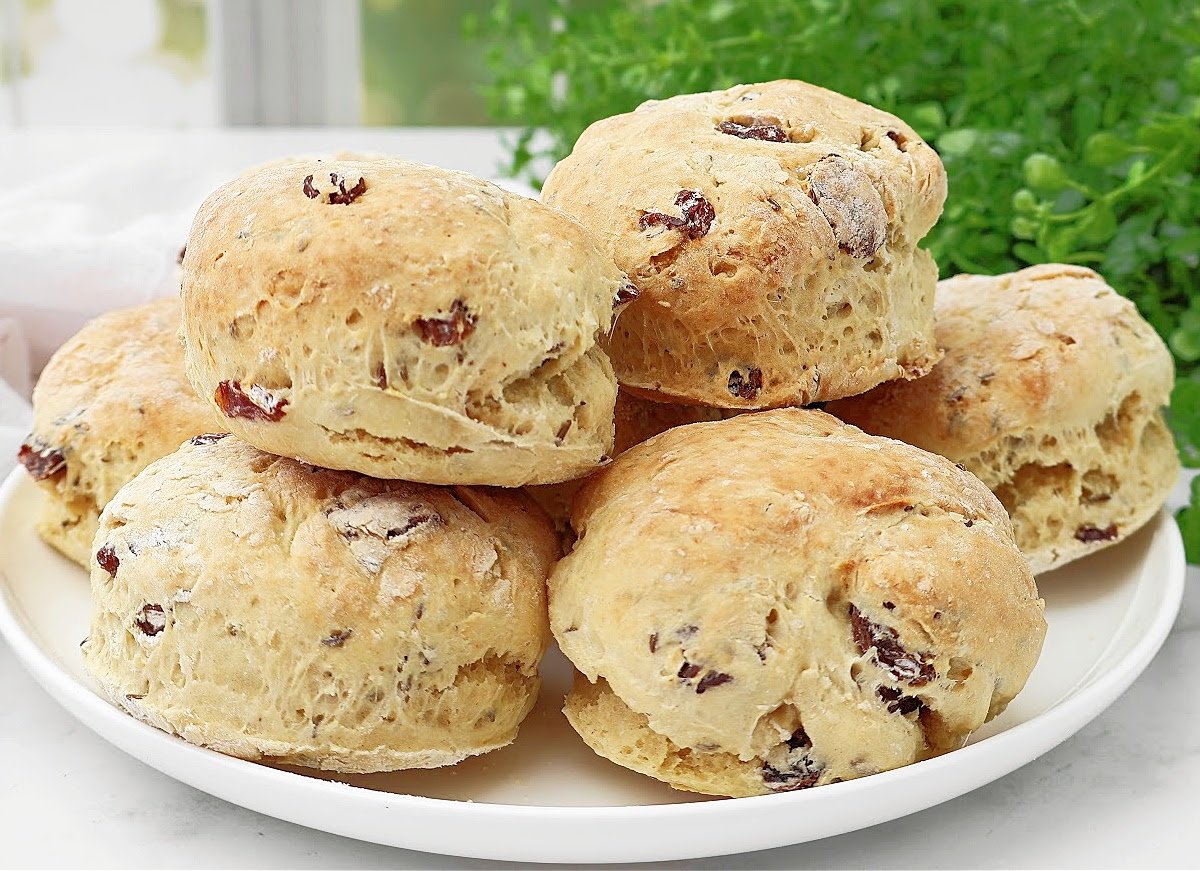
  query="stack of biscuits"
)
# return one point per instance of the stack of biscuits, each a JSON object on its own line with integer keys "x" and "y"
{"x": 402, "y": 427}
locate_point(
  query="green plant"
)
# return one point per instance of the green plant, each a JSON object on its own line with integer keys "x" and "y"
{"x": 1070, "y": 129}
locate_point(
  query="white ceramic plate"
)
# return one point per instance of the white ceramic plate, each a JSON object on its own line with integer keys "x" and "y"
{"x": 547, "y": 798}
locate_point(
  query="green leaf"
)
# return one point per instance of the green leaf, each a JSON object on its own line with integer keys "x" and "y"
{"x": 1098, "y": 224}
{"x": 1191, "y": 74}
{"x": 1105, "y": 149}
{"x": 1044, "y": 173}
{"x": 956, "y": 143}
{"x": 1185, "y": 420}
{"x": 1024, "y": 201}
{"x": 1188, "y": 519}
{"x": 1024, "y": 228}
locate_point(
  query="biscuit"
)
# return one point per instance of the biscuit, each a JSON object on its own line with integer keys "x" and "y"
{"x": 778, "y": 600}
{"x": 112, "y": 399}
{"x": 269, "y": 609}
{"x": 1052, "y": 393}
{"x": 772, "y": 232}
{"x": 637, "y": 419}
{"x": 402, "y": 321}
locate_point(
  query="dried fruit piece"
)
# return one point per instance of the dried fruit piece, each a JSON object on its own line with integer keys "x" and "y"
{"x": 1089, "y": 533}
{"x": 257, "y": 403}
{"x": 897, "y": 702}
{"x": 698, "y": 215}
{"x": 650, "y": 219}
{"x": 41, "y": 461}
{"x": 106, "y": 557}
{"x": 755, "y": 129}
{"x": 450, "y": 330}
{"x": 339, "y": 197}
{"x": 206, "y": 438}
{"x": 889, "y": 652}
{"x": 850, "y": 203}
{"x": 745, "y": 386}
{"x": 343, "y": 197}
{"x": 151, "y": 620}
{"x": 337, "y": 639}
{"x": 712, "y": 679}
{"x": 790, "y": 766}
{"x": 688, "y": 670}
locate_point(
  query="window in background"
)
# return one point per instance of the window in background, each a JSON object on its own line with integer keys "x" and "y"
{"x": 416, "y": 66}
{"x": 117, "y": 62}
{"x": 176, "y": 63}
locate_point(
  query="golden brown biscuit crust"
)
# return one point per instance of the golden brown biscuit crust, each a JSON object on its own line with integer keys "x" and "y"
{"x": 430, "y": 327}
{"x": 786, "y": 590}
{"x": 777, "y": 271}
{"x": 1051, "y": 392}
{"x": 267, "y": 608}
{"x": 112, "y": 399}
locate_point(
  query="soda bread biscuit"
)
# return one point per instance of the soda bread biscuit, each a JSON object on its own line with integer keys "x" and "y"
{"x": 112, "y": 399}
{"x": 637, "y": 419}
{"x": 402, "y": 321}
{"x": 779, "y": 600}
{"x": 1052, "y": 392}
{"x": 269, "y": 609}
{"x": 772, "y": 231}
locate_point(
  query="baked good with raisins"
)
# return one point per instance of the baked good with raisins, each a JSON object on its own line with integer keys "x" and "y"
{"x": 1052, "y": 392}
{"x": 637, "y": 419}
{"x": 269, "y": 609}
{"x": 112, "y": 399}
{"x": 779, "y": 600}
{"x": 772, "y": 231}
{"x": 402, "y": 321}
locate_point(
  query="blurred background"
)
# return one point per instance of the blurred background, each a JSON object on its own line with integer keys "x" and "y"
{"x": 188, "y": 63}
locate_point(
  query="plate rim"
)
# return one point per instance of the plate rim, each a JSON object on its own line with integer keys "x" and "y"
{"x": 999, "y": 754}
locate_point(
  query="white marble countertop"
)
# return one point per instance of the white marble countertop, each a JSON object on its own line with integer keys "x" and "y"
{"x": 1122, "y": 793}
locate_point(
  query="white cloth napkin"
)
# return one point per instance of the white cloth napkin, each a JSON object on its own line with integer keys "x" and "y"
{"x": 100, "y": 234}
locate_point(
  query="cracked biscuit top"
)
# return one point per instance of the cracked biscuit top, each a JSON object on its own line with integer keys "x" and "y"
{"x": 403, "y": 321}
{"x": 267, "y": 608}
{"x": 1052, "y": 392}
{"x": 772, "y": 231}
{"x": 780, "y": 600}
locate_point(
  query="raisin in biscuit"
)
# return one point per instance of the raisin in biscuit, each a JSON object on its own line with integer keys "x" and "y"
{"x": 778, "y": 600}
{"x": 267, "y": 608}
{"x": 112, "y": 399}
{"x": 402, "y": 321}
{"x": 637, "y": 419}
{"x": 1052, "y": 392}
{"x": 772, "y": 231}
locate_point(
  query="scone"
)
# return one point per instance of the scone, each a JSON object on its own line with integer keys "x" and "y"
{"x": 112, "y": 399}
{"x": 637, "y": 419}
{"x": 269, "y": 609}
{"x": 1052, "y": 392}
{"x": 778, "y": 600}
{"x": 772, "y": 231}
{"x": 402, "y": 321}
